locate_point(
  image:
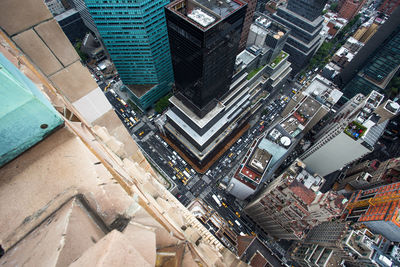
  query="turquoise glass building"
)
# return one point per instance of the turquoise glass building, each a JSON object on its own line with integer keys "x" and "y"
{"x": 135, "y": 34}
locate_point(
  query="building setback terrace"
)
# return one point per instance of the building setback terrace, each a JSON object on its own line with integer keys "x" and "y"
{"x": 282, "y": 55}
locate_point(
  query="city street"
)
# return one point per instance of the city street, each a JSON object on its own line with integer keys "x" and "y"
{"x": 185, "y": 183}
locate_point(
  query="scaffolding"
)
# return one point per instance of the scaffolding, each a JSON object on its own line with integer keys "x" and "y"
{"x": 379, "y": 195}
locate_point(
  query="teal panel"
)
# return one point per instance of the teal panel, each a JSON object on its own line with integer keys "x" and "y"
{"x": 26, "y": 116}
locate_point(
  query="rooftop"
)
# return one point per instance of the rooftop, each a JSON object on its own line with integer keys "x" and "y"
{"x": 222, "y": 8}
{"x": 259, "y": 160}
{"x": 323, "y": 90}
{"x": 282, "y": 55}
{"x": 305, "y": 194}
{"x": 273, "y": 148}
{"x": 255, "y": 164}
{"x": 271, "y": 26}
{"x": 245, "y": 58}
{"x": 140, "y": 89}
{"x": 205, "y": 13}
{"x": 365, "y": 121}
{"x": 297, "y": 171}
{"x": 66, "y": 14}
{"x": 392, "y": 107}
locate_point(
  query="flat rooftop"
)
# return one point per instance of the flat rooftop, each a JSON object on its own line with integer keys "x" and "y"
{"x": 323, "y": 90}
{"x": 392, "y": 107}
{"x": 140, "y": 89}
{"x": 307, "y": 110}
{"x": 204, "y": 13}
{"x": 255, "y": 164}
{"x": 271, "y": 26}
{"x": 291, "y": 124}
{"x": 223, "y": 8}
{"x": 259, "y": 160}
{"x": 273, "y": 148}
{"x": 245, "y": 57}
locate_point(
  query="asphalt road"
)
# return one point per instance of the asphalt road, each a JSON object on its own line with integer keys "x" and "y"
{"x": 186, "y": 184}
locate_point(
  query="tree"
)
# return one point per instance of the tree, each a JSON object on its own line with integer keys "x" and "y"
{"x": 333, "y": 7}
{"x": 81, "y": 54}
{"x": 162, "y": 104}
{"x": 133, "y": 106}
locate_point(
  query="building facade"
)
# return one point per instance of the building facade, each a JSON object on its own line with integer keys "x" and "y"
{"x": 87, "y": 215}
{"x": 248, "y": 20}
{"x": 370, "y": 173}
{"x": 86, "y": 17}
{"x": 376, "y": 62}
{"x": 135, "y": 35}
{"x": 335, "y": 243}
{"x": 349, "y": 135}
{"x": 305, "y": 21}
{"x": 292, "y": 204}
{"x": 378, "y": 70}
{"x": 378, "y": 209}
{"x": 204, "y": 38}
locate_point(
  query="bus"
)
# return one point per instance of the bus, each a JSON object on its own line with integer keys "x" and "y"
{"x": 186, "y": 174}
{"x": 113, "y": 92}
{"x": 216, "y": 200}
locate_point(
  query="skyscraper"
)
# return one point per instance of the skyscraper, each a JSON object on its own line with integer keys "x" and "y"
{"x": 351, "y": 134}
{"x": 376, "y": 62}
{"x": 378, "y": 70}
{"x": 292, "y": 204}
{"x": 378, "y": 209}
{"x": 204, "y": 37}
{"x": 208, "y": 105}
{"x": 135, "y": 35}
{"x": 251, "y": 7}
{"x": 75, "y": 156}
{"x": 86, "y": 17}
{"x": 305, "y": 21}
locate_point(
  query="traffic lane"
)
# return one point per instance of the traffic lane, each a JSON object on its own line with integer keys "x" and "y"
{"x": 142, "y": 131}
{"x": 164, "y": 154}
{"x": 198, "y": 187}
{"x": 223, "y": 213}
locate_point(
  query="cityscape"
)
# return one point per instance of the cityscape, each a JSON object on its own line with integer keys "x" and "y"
{"x": 200, "y": 133}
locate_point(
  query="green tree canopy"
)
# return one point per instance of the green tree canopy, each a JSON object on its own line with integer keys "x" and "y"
{"x": 162, "y": 104}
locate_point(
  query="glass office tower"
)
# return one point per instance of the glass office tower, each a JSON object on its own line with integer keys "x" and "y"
{"x": 135, "y": 35}
{"x": 204, "y": 37}
{"x": 304, "y": 19}
{"x": 378, "y": 69}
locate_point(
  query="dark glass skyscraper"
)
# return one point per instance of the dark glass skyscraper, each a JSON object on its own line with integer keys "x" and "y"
{"x": 304, "y": 19}
{"x": 378, "y": 68}
{"x": 136, "y": 38}
{"x": 204, "y": 37}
